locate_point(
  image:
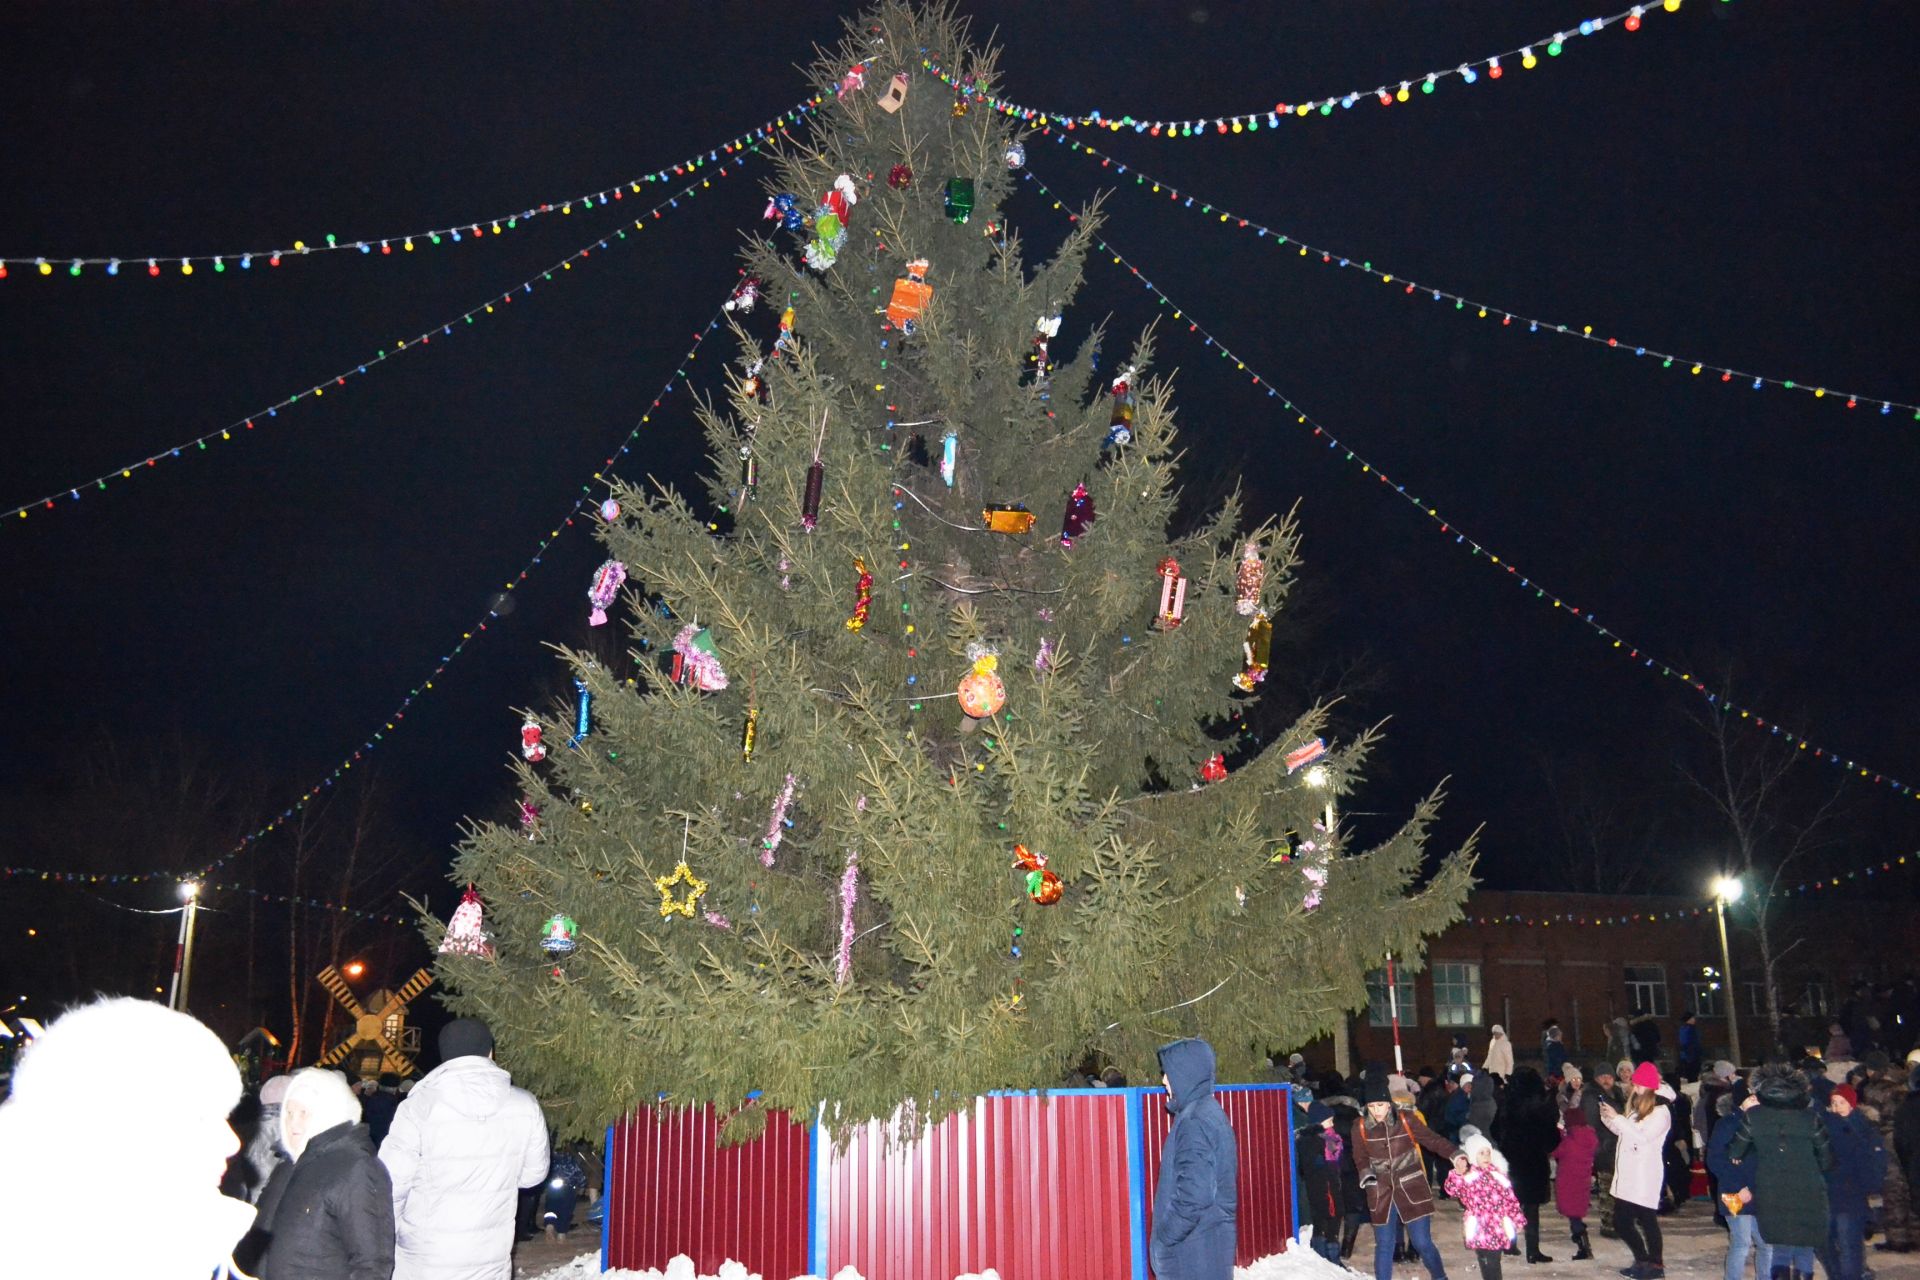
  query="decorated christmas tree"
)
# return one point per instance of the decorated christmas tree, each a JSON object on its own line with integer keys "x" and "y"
{"x": 920, "y": 784}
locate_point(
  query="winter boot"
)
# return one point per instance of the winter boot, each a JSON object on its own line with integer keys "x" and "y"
{"x": 1349, "y": 1232}
{"x": 1533, "y": 1242}
{"x": 1655, "y": 1270}
{"x": 1582, "y": 1248}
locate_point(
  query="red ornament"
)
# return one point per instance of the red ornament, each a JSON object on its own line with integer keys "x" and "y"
{"x": 899, "y": 176}
{"x": 1043, "y": 885}
{"x": 1214, "y": 769}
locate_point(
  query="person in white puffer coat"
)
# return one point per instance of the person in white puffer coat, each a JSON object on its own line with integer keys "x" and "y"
{"x": 463, "y": 1143}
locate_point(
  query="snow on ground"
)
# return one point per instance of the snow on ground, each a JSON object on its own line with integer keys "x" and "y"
{"x": 1694, "y": 1248}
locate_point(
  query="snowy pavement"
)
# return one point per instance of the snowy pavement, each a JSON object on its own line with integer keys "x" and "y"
{"x": 1694, "y": 1248}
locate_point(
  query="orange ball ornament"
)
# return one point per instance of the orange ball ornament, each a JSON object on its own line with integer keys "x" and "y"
{"x": 982, "y": 691}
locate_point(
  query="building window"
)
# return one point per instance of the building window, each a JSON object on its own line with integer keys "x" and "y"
{"x": 1647, "y": 989}
{"x": 1756, "y": 1001}
{"x": 1456, "y": 993}
{"x": 1814, "y": 1001}
{"x": 1379, "y": 1013}
{"x": 1703, "y": 997}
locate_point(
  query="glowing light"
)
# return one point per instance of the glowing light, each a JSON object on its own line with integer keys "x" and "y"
{"x": 189, "y": 890}
{"x": 1318, "y": 776}
{"x": 1728, "y": 888}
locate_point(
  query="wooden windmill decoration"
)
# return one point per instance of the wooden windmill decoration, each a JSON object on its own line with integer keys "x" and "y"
{"x": 383, "y": 1031}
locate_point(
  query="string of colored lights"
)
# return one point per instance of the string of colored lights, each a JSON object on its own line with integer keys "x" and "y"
{"x": 1461, "y": 304}
{"x": 1690, "y": 913}
{"x": 1477, "y": 550}
{"x": 444, "y": 329}
{"x": 476, "y": 228}
{"x": 175, "y": 878}
{"x": 1387, "y": 94}
{"x": 391, "y": 722}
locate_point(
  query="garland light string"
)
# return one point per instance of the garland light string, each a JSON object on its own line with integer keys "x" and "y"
{"x": 423, "y": 338}
{"x": 1689, "y": 913}
{"x": 1445, "y": 525}
{"x": 1493, "y": 66}
{"x": 79, "y": 878}
{"x": 1462, "y": 304}
{"x": 585, "y": 498}
{"x": 476, "y": 228}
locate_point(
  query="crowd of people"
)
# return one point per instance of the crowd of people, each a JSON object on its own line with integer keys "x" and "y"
{"x": 134, "y": 1102}
{"x": 1795, "y": 1154}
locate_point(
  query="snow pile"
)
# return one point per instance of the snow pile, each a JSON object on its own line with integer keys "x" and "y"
{"x": 1295, "y": 1264}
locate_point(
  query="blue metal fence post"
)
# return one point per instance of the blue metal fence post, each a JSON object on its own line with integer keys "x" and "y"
{"x": 606, "y": 1200}
{"x": 1293, "y": 1165}
{"x": 816, "y": 1234}
{"x": 1137, "y": 1178}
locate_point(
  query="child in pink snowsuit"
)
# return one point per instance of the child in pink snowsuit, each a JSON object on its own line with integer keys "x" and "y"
{"x": 1490, "y": 1213}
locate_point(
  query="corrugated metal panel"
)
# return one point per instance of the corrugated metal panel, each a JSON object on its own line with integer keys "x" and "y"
{"x": 1263, "y": 1136}
{"x": 673, "y": 1189}
{"x": 1035, "y": 1187}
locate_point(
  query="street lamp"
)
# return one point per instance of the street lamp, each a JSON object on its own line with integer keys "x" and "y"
{"x": 1728, "y": 889}
{"x": 183, "y": 946}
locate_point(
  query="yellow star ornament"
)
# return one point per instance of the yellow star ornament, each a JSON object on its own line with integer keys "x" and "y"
{"x": 696, "y": 888}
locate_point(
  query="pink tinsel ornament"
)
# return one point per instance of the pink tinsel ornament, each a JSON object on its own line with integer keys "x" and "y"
{"x": 530, "y": 818}
{"x": 717, "y": 920}
{"x": 849, "y": 893}
{"x": 466, "y": 935}
{"x": 607, "y": 581}
{"x": 695, "y": 645}
{"x": 777, "y": 824}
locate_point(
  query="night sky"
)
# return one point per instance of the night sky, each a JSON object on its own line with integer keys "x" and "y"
{"x": 1735, "y": 182}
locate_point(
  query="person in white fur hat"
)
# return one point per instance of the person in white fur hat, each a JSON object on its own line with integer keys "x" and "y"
{"x": 130, "y": 1101}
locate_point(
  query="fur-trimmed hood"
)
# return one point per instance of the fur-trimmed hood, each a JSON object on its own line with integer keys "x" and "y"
{"x": 1781, "y": 1086}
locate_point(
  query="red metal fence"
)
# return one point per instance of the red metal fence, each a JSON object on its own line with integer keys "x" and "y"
{"x": 1054, "y": 1186}
{"x": 1263, "y": 1136}
{"x": 1033, "y": 1186}
{"x": 673, "y": 1189}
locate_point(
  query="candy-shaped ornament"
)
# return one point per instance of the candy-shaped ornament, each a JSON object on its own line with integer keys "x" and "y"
{"x": 1248, "y": 579}
{"x": 1079, "y": 516}
{"x": 910, "y": 297}
{"x": 1043, "y": 883}
{"x": 982, "y": 691}
{"x": 750, "y": 734}
{"x": 959, "y": 199}
{"x": 1256, "y": 649}
{"x": 607, "y": 581}
{"x": 785, "y": 210}
{"x": 810, "y": 495}
{"x": 1120, "y": 425}
{"x": 949, "y": 458}
{"x": 1014, "y": 519}
{"x": 531, "y": 748}
{"x": 862, "y": 596}
{"x": 1300, "y": 757}
{"x": 582, "y": 712}
{"x": 1173, "y": 595}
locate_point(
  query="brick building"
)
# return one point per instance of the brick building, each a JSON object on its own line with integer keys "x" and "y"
{"x": 1521, "y": 958}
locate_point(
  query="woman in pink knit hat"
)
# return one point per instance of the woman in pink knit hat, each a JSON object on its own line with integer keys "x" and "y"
{"x": 1639, "y": 1169}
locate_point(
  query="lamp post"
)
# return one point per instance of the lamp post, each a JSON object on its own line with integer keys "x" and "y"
{"x": 183, "y": 947}
{"x": 1728, "y": 889}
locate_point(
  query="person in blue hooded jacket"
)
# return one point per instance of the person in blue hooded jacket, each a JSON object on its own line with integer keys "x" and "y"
{"x": 1196, "y": 1202}
{"x": 1859, "y": 1171}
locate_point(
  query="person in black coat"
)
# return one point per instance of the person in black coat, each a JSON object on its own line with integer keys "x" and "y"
{"x": 328, "y": 1214}
{"x": 1528, "y": 1130}
{"x": 1353, "y": 1202}
{"x": 1196, "y": 1202}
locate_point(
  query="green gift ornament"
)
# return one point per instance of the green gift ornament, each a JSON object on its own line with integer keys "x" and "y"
{"x": 959, "y": 198}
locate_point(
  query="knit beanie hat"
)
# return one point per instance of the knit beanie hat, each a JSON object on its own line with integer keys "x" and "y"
{"x": 465, "y": 1037}
{"x": 1646, "y": 1076}
{"x": 1725, "y": 1070}
{"x": 1374, "y": 1087}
